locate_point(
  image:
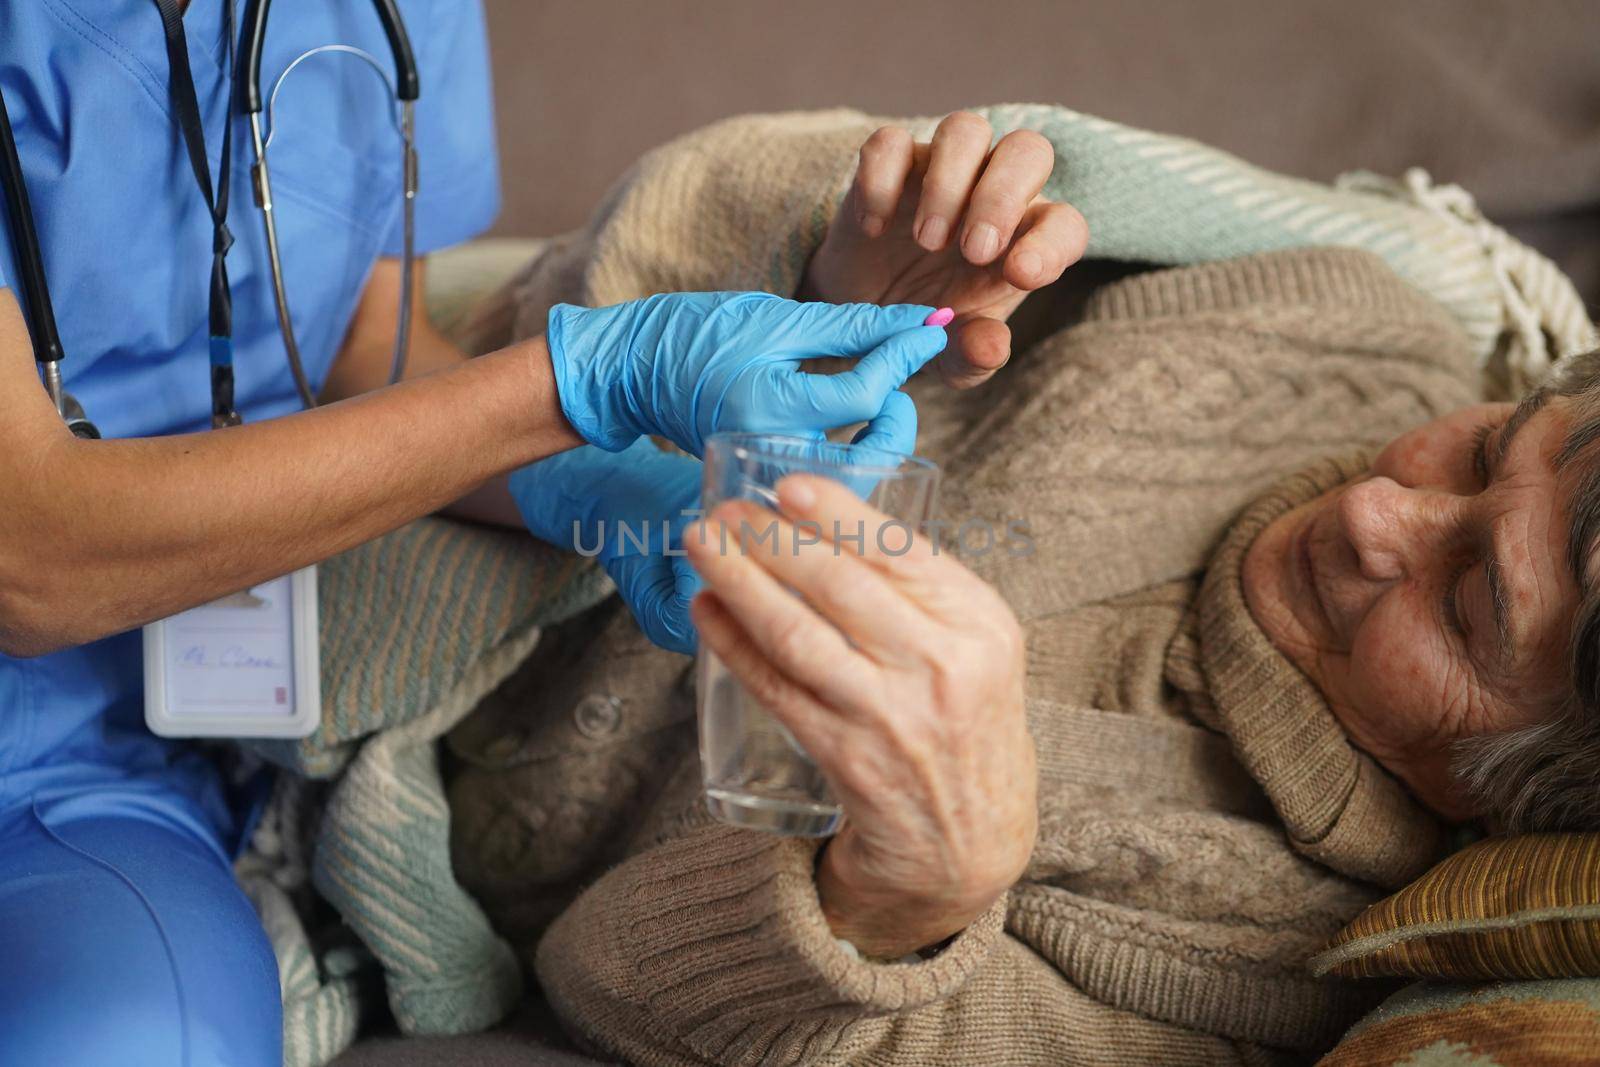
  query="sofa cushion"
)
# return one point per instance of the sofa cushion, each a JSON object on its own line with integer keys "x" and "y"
{"x": 1500, "y": 1024}
{"x": 1524, "y": 906}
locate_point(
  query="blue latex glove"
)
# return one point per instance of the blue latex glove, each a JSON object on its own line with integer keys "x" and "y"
{"x": 687, "y": 365}
{"x": 580, "y": 500}
{"x": 895, "y": 428}
{"x": 583, "y": 499}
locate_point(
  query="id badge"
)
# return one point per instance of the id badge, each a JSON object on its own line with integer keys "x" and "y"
{"x": 243, "y": 666}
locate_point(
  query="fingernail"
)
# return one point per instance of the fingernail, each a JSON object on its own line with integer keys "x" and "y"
{"x": 932, "y": 233}
{"x": 983, "y": 241}
{"x": 871, "y": 225}
{"x": 796, "y": 495}
{"x": 942, "y": 317}
{"x": 1029, "y": 264}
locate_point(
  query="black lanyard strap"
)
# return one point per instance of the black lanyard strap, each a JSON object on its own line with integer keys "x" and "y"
{"x": 186, "y": 106}
{"x": 25, "y": 242}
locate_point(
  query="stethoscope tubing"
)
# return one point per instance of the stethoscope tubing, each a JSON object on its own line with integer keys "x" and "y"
{"x": 405, "y": 88}
{"x": 407, "y": 85}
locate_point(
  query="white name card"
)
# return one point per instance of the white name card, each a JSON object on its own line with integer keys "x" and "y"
{"x": 246, "y": 665}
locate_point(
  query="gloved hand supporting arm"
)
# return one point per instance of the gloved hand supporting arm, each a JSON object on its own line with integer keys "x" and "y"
{"x": 628, "y": 510}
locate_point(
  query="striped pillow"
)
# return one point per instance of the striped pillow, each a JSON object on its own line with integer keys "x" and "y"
{"x": 1525, "y": 906}
{"x": 1551, "y": 1023}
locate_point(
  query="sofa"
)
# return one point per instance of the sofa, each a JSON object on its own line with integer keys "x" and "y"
{"x": 1501, "y": 97}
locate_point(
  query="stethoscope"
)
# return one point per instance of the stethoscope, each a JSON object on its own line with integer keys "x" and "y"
{"x": 35, "y": 289}
{"x": 404, "y": 90}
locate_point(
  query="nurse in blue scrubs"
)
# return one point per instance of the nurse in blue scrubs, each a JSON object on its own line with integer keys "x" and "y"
{"x": 124, "y": 939}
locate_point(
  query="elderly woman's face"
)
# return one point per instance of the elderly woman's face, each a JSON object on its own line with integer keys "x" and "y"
{"x": 1431, "y": 599}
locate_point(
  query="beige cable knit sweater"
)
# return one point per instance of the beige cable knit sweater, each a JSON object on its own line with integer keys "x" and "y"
{"x": 1204, "y": 824}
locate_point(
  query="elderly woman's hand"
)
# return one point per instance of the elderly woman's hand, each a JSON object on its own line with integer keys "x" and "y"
{"x": 955, "y": 224}
{"x": 901, "y": 673}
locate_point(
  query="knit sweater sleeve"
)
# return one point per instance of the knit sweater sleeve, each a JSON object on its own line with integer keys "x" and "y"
{"x": 1125, "y": 445}
{"x": 712, "y": 948}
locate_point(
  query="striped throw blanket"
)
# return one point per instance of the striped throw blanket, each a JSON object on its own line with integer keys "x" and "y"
{"x": 417, "y": 627}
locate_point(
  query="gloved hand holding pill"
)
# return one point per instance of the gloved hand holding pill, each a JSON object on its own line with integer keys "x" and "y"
{"x": 686, "y": 365}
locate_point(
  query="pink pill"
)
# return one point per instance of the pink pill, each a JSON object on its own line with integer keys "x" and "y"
{"x": 942, "y": 317}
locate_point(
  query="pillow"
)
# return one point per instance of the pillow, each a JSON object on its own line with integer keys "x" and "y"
{"x": 461, "y": 278}
{"x": 1524, "y": 906}
{"x": 1501, "y": 1024}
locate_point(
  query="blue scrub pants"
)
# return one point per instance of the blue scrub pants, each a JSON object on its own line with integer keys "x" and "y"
{"x": 126, "y": 942}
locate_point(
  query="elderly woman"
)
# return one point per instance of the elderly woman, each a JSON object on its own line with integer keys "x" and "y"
{"x": 1288, "y": 606}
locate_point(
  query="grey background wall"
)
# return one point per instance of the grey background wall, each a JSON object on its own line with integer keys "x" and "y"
{"x": 1502, "y": 96}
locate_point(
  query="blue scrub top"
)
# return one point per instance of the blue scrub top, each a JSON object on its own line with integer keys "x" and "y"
{"x": 126, "y": 240}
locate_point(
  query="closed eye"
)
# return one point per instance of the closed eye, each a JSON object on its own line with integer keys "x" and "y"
{"x": 1451, "y": 604}
{"x": 1451, "y": 601}
{"x": 1480, "y": 453}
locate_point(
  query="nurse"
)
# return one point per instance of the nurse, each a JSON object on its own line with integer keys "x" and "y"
{"x": 123, "y": 936}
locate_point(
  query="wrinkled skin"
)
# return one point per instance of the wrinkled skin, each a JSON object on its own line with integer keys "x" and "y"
{"x": 902, "y": 675}
{"x": 1354, "y": 588}
{"x": 956, "y": 222}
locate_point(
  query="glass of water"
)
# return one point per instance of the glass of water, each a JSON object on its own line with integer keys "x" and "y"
{"x": 756, "y": 774}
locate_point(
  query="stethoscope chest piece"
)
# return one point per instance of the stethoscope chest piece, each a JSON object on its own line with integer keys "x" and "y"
{"x": 76, "y": 420}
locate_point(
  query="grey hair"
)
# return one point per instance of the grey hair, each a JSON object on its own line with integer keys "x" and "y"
{"x": 1537, "y": 778}
{"x": 1546, "y": 776}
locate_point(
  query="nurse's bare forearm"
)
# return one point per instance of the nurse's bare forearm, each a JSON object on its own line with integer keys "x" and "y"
{"x": 99, "y": 536}
{"x": 363, "y": 364}
{"x": 490, "y": 503}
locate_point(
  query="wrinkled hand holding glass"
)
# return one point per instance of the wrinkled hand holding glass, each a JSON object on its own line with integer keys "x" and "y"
{"x": 756, "y": 774}
{"x": 902, "y": 676}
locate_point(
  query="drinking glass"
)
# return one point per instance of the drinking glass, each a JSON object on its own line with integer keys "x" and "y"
{"x": 756, "y": 774}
